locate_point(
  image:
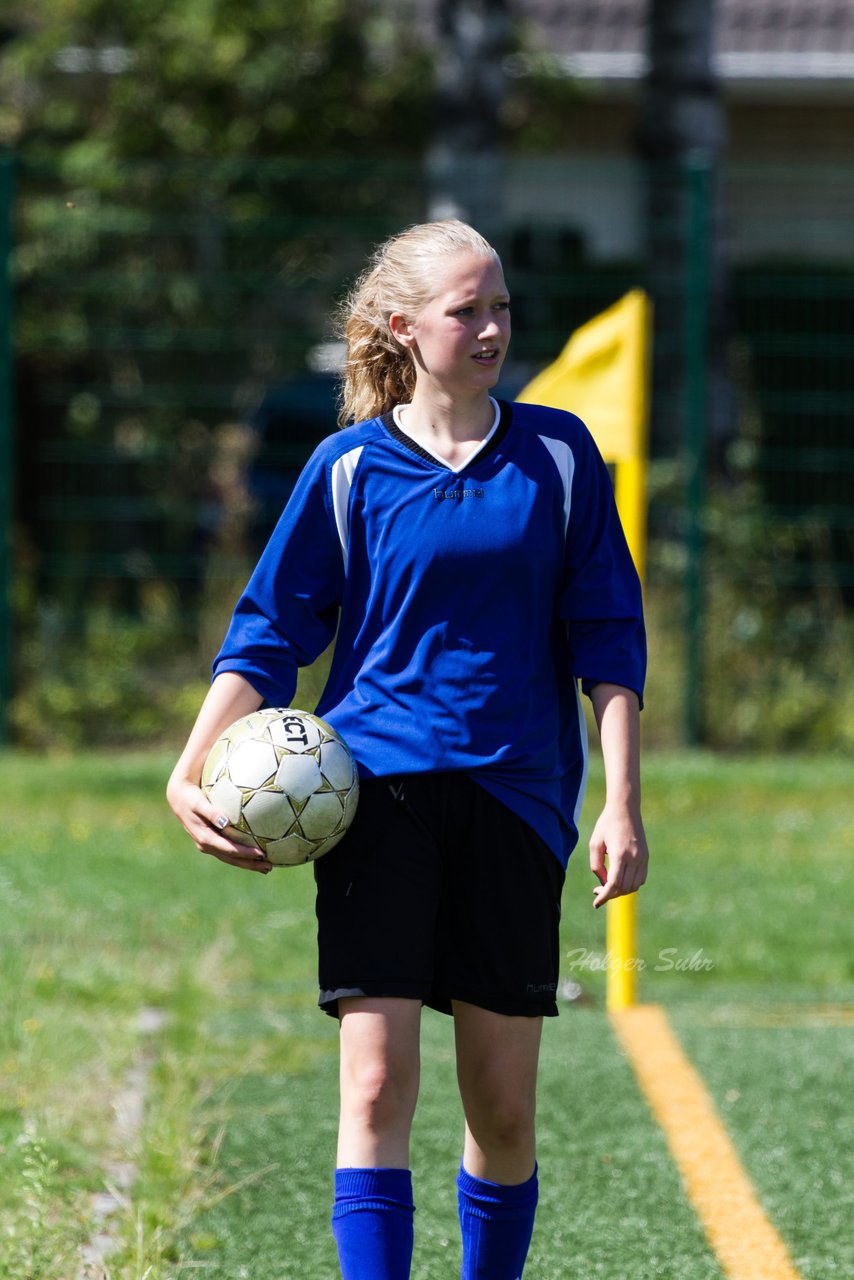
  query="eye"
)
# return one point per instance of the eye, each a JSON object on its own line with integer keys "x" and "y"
{"x": 503, "y": 306}
{"x": 464, "y": 311}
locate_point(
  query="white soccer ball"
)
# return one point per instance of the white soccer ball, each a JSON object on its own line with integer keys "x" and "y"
{"x": 286, "y": 781}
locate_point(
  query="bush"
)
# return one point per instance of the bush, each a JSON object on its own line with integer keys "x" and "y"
{"x": 776, "y": 646}
{"x": 117, "y": 682}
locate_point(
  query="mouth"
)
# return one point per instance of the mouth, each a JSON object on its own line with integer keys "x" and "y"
{"x": 488, "y": 356}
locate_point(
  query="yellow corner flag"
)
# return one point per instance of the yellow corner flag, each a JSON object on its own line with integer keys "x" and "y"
{"x": 602, "y": 376}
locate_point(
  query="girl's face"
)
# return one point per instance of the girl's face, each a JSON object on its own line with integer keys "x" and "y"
{"x": 459, "y": 340}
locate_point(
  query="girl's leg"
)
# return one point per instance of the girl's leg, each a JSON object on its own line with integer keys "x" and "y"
{"x": 380, "y": 1063}
{"x": 497, "y": 1060}
{"x": 379, "y": 1074}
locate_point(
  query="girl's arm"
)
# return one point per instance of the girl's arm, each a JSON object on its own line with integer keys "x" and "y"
{"x": 618, "y": 849}
{"x": 229, "y": 697}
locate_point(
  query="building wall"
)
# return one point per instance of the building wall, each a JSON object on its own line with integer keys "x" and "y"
{"x": 790, "y": 181}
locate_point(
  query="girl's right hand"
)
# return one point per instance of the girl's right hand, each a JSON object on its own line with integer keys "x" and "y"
{"x": 208, "y": 828}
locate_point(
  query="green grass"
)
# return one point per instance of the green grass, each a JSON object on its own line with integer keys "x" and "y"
{"x": 106, "y": 908}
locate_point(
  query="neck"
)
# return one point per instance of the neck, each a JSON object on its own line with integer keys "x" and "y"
{"x": 438, "y": 416}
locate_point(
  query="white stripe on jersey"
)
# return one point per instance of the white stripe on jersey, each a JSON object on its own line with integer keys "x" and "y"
{"x": 582, "y": 735}
{"x": 342, "y": 478}
{"x": 564, "y": 460}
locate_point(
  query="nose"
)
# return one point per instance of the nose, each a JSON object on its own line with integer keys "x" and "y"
{"x": 490, "y": 328}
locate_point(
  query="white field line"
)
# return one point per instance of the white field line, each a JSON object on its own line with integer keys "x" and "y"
{"x": 120, "y": 1168}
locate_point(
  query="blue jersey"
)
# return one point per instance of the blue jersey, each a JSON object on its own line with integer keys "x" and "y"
{"x": 468, "y": 604}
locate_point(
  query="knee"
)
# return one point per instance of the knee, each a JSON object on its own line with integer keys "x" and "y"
{"x": 502, "y": 1121}
{"x": 380, "y": 1096}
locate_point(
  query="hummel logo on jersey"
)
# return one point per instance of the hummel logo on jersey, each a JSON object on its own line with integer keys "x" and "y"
{"x": 397, "y": 792}
{"x": 441, "y": 494}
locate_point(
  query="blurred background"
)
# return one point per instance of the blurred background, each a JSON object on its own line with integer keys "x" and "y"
{"x": 186, "y": 191}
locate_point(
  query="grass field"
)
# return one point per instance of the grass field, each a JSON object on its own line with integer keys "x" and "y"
{"x": 106, "y": 911}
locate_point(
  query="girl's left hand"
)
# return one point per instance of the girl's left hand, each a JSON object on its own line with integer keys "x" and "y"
{"x": 618, "y": 853}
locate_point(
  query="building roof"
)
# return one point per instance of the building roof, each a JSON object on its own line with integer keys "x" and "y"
{"x": 756, "y": 42}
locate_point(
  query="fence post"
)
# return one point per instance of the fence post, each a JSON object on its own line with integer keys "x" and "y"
{"x": 698, "y": 186}
{"x": 7, "y": 433}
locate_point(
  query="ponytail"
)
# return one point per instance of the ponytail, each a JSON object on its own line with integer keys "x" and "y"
{"x": 378, "y": 371}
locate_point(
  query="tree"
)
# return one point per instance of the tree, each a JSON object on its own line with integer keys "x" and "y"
{"x": 208, "y": 113}
{"x": 213, "y": 78}
{"x": 196, "y": 179}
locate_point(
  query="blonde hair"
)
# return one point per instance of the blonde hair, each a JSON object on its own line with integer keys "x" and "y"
{"x": 378, "y": 372}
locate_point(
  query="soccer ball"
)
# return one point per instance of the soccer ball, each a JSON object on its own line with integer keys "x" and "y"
{"x": 286, "y": 781}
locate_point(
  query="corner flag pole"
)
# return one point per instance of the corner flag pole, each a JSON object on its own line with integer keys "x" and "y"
{"x": 602, "y": 376}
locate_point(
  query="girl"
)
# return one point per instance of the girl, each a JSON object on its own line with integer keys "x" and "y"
{"x": 469, "y": 556}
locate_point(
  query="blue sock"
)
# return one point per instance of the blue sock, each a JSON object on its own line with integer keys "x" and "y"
{"x": 372, "y": 1223}
{"x": 497, "y": 1223}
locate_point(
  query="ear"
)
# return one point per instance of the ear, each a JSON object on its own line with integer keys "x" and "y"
{"x": 401, "y": 330}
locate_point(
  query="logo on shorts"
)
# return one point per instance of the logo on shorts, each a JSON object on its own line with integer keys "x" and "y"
{"x": 537, "y": 988}
{"x": 397, "y": 792}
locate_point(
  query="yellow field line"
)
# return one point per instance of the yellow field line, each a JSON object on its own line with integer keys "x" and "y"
{"x": 745, "y": 1242}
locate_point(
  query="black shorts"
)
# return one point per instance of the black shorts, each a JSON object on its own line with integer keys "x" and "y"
{"x": 438, "y": 892}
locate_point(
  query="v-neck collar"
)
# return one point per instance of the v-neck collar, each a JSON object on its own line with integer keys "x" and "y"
{"x": 490, "y": 442}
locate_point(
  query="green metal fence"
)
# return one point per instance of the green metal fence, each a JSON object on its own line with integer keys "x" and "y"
{"x": 171, "y": 334}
